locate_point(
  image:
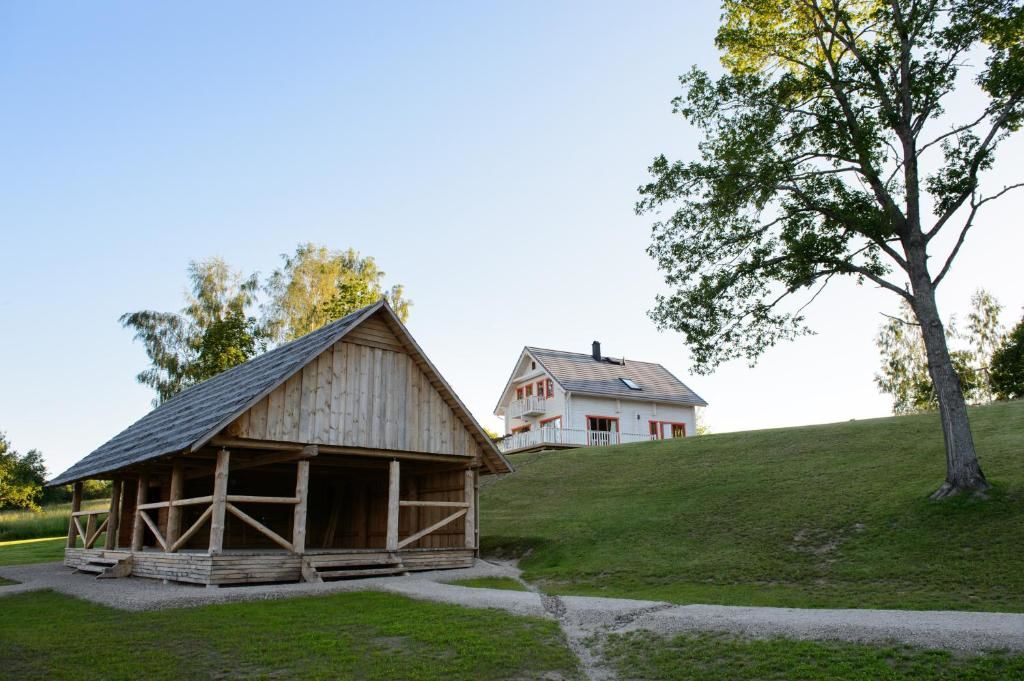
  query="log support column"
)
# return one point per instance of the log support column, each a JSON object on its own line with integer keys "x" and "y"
{"x": 76, "y": 506}
{"x": 393, "y": 488}
{"x": 139, "y": 528}
{"x": 114, "y": 517}
{"x": 220, "y": 502}
{"x": 469, "y": 497}
{"x": 174, "y": 512}
{"x": 299, "y": 516}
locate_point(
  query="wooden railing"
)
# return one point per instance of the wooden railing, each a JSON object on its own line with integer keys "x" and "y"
{"x": 533, "y": 405}
{"x": 91, "y": 532}
{"x": 569, "y": 437}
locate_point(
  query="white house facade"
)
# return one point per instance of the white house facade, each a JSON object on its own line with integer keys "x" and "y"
{"x": 557, "y": 399}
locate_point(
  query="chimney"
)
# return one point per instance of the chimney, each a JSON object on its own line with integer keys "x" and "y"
{"x": 596, "y": 351}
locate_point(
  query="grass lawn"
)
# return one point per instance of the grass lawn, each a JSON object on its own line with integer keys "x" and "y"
{"x": 822, "y": 516}
{"x": 24, "y": 551}
{"x": 341, "y": 636}
{"x": 506, "y": 583}
{"x": 6, "y": 582}
{"x": 50, "y": 521}
{"x": 696, "y": 657}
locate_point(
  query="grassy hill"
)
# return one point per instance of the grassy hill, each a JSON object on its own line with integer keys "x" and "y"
{"x": 822, "y": 516}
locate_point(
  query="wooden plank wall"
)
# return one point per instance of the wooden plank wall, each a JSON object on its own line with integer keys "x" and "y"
{"x": 365, "y": 391}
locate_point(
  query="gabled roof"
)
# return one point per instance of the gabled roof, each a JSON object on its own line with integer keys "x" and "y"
{"x": 194, "y": 416}
{"x": 580, "y": 373}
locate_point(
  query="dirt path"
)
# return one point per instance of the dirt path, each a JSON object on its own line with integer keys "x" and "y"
{"x": 586, "y": 621}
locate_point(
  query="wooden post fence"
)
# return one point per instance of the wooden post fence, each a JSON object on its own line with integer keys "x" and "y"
{"x": 299, "y": 515}
{"x": 393, "y": 505}
{"x": 174, "y": 512}
{"x": 114, "y": 518}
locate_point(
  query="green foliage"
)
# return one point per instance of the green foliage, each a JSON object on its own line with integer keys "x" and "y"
{"x": 369, "y": 636}
{"x": 710, "y": 657}
{"x": 904, "y": 372}
{"x": 21, "y": 477}
{"x": 29, "y": 551}
{"x": 822, "y": 516}
{"x": 814, "y": 141}
{"x": 316, "y": 285}
{"x": 49, "y": 521}
{"x": 212, "y": 333}
{"x": 1007, "y": 368}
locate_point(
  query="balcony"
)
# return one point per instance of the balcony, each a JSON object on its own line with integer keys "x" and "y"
{"x": 568, "y": 437}
{"x": 528, "y": 406}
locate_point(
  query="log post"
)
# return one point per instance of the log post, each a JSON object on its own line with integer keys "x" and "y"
{"x": 174, "y": 512}
{"x": 139, "y": 528}
{"x": 393, "y": 487}
{"x": 469, "y": 497}
{"x": 114, "y": 517}
{"x": 76, "y": 506}
{"x": 299, "y": 516}
{"x": 220, "y": 500}
{"x": 90, "y": 529}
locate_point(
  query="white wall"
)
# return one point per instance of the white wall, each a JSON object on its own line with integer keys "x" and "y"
{"x": 627, "y": 411}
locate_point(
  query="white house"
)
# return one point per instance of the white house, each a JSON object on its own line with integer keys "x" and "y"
{"x": 567, "y": 399}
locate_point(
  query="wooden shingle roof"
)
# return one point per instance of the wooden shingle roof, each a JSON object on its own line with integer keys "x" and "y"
{"x": 191, "y": 418}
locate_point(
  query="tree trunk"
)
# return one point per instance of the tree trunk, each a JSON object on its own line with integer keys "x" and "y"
{"x": 963, "y": 472}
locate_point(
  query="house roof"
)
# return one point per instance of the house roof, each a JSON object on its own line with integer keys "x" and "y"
{"x": 192, "y": 417}
{"x": 581, "y": 373}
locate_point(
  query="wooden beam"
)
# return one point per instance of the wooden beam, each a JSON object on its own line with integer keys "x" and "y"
{"x": 434, "y": 504}
{"x": 76, "y": 505}
{"x": 470, "y": 498}
{"x": 154, "y": 529}
{"x": 95, "y": 533}
{"x": 220, "y": 500}
{"x": 252, "y": 522}
{"x": 299, "y": 516}
{"x": 436, "y": 526}
{"x": 139, "y": 529}
{"x": 391, "y": 543}
{"x": 192, "y": 530}
{"x": 239, "y": 443}
{"x": 304, "y": 454}
{"x": 252, "y": 499}
{"x": 114, "y": 519}
{"x": 174, "y": 512}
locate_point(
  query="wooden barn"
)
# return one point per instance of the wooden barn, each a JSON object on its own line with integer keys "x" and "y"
{"x": 343, "y": 453}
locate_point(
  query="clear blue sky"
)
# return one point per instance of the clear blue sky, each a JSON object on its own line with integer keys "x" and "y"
{"x": 486, "y": 156}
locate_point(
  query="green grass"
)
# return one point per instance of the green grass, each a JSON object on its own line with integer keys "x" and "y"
{"x": 342, "y": 636}
{"x": 506, "y": 583}
{"x": 6, "y": 582}
{"x": 25, "y": 551}
{"x": 822, "y": 516}
{"x": 51, "y": 521}
{"x": 697, "y": 657}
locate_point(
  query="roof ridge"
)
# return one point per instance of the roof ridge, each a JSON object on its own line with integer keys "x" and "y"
{"x": 583, "y": 354}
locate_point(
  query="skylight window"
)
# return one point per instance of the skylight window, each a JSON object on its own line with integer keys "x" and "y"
{"x": 630, "y": 383}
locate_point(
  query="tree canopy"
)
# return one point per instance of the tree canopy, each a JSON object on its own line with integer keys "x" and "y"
{"x": 827, "y": 151}
{"x": 21, "y": 477}
{"x": 213, "y": 332}
{"x": 1008, "y": 365}
{"x": 316, "y": 285}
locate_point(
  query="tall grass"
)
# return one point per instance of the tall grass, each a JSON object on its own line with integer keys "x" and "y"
{"x": 51, "y": 521}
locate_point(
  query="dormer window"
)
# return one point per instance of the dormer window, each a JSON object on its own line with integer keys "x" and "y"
{"x": 629, "y": 383}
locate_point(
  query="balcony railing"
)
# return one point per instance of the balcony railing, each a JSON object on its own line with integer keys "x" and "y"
{"x": 569, "y": 437}
{"x": 528, "y": 406}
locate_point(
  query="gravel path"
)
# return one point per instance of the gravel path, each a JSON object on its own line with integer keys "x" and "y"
{"x": 581, "y": 618}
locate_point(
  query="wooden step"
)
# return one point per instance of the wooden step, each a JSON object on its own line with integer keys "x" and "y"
{"x": 89, "y": 567}
{"x": 105, "y": 562}
{"x": 353, "y": 559}
{"x": 368, "y": 572}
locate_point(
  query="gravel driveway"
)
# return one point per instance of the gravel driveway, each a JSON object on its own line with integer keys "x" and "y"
{"x": 580, "y": 617}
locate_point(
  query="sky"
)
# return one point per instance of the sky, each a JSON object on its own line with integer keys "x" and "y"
{"x": 486, "y": 155}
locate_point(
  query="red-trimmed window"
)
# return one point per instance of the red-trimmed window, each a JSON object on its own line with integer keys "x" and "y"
{"x": 540, "y": 388}
{"x": 667, "y": 430}
{"x": 519, "y": 393}
{"x": 521, "y": 429}
{"x": 553, "y": 422}
{"x": 549, "y": 388}
{"x": 529, "y": 389}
